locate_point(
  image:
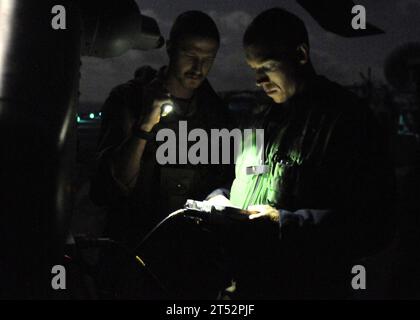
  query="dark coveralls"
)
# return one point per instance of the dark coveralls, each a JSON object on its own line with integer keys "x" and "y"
{"x": 331, "y": 178}
{"x": 160, "y": 189}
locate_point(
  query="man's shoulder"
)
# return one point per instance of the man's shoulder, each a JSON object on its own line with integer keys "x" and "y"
{"x": 333, "y": 90}
{"x": 207, "y": 92}
{"x": 123, "y": 99}
{"x": 212, "y": 106}
{"x": 128, "y": 96}
{"x": 339, "y": 99}
{"x": 127, "y": 89}
{"x": 142, "y": 77}
{"x": 212, "y": 100}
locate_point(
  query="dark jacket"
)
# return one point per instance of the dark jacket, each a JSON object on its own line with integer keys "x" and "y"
{"x": 331, "y": 178}
{"x": 160, "y": 189}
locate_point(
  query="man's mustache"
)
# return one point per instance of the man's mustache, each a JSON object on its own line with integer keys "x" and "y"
{"x": 194, "y": 75}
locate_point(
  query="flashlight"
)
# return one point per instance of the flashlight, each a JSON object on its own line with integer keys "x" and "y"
{"x": 166, "y": 109}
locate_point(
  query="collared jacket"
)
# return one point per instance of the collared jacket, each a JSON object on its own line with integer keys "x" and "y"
{"x": 328, "y": 171}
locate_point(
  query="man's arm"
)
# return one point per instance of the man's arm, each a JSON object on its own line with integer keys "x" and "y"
{"x": 126, "y": 159}
{"x": 120, "y": 149}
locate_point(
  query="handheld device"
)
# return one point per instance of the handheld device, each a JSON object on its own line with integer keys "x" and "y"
{"x": 209, "y": 212}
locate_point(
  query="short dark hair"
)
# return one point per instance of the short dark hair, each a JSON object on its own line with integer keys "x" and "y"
{"x": 276, "y": 28}
{"x": 193, "y": 23}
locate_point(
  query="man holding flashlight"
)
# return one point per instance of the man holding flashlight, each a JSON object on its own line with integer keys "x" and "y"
{"x": 324, "y": 196}
{"x": 138, "y": 190}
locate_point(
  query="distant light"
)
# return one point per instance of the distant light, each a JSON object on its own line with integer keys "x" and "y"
{"x": 100, "y": 114}
{"x": 78, "y": 119}
{"x": 92, "y": 116}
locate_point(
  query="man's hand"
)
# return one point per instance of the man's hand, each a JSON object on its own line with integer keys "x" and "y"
{"x": 153, "y": 117}
{"x": 154, "y": 107}
{"x": 263, "y": 211}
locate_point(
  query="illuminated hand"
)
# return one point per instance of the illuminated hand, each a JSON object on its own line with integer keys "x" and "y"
{"x": 153, "y": 117}
{"x": 264, "y": 211}
{"x": 154, "y": 97}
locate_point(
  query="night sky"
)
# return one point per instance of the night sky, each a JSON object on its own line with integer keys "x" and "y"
{"x": 341, "y": 59}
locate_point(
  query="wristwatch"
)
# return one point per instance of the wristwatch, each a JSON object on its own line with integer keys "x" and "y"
{"x": 139, "y": 133}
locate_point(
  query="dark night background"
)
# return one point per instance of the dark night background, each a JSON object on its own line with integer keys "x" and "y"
{"x": 48, "y": 157}
{"x": 339, "y": 58}
{"x": 344, "y": 60}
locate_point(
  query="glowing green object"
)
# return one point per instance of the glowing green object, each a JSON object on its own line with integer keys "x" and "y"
{"x": 248, "y": 189}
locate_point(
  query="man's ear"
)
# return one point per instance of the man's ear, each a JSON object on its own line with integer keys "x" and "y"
{"x": 303, "y": 54}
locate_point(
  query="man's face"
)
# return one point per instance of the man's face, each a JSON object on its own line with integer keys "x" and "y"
{"x": 192, "y": 60}
{"x": 277, "y": 76}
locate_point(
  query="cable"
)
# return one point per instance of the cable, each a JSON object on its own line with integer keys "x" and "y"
{"x": 173, "y": 214}
{"x": 139, "y": 261}
{"x": 99, "y": 242}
